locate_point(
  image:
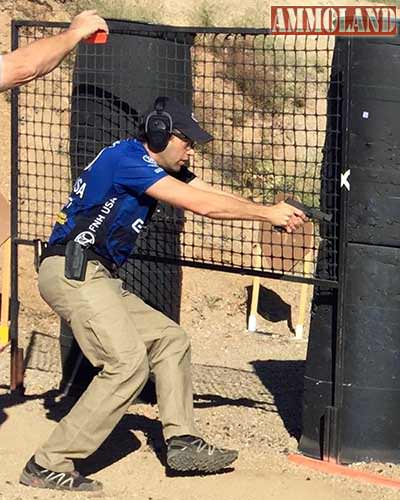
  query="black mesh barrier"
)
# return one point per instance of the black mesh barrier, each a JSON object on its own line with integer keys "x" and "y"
{"x": 271, "y": 103}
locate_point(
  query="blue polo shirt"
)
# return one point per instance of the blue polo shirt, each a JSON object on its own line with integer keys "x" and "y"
{"x": 108, "y": 205}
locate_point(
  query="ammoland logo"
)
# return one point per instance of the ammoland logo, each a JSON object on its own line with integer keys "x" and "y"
{"x": 335, "y": 20}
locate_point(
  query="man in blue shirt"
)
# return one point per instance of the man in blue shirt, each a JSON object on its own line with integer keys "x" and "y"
{"x": 95, "y": 232}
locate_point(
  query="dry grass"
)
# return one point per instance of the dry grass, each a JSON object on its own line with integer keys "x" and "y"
{"x": 252, "y": 13}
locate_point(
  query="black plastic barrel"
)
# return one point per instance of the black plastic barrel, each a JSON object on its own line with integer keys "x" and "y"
{"x": 320, "y": 366}
{"x": 319, "y": 371}
{"x": 113, "y": 85}
{"x": 369, "y": 403}
{"x": 370, "y": 413}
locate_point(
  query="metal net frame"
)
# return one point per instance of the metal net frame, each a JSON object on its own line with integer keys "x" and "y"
{"x": 273, "y": 104}
{"x": 276, "y": 106}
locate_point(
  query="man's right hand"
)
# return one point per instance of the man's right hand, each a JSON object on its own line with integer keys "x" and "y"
{"x": 86, "y": 23}
{"x": 286, "y": 216}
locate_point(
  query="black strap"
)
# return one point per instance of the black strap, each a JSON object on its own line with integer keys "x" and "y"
{"x": 53, "y": 250}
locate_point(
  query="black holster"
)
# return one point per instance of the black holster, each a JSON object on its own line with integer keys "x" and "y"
{"x": 76, "y": 260}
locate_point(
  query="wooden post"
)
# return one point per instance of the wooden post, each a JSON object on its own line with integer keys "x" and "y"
{"x": 252, "y": 323}
{"x": 5, "y": 244}
{"x": 304, "y": 295}
{"x": 5, "y": 292}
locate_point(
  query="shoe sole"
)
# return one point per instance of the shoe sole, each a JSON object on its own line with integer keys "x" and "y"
{"x": 36, "y": 482}
{"x": 182, "y": 463}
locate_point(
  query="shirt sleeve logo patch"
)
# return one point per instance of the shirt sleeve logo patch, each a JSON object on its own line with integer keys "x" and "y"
{"x": 86, "y": 238}
{"x": 137, "y": 225}
{"x": 61, "y": 218}
{"x": 149, "y": 159}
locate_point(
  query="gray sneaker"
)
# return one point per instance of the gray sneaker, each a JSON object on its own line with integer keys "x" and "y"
{"x": 191, "y": 453}
{"x": 38, "y": 477}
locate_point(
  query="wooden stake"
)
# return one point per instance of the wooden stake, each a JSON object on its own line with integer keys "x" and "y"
{"x": 304, "y": 294}
{"x": 5, "y": 293}
{"x": 252, "y": 323}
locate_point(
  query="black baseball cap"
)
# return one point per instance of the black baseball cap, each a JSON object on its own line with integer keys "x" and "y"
{"x": 184, "y": 120}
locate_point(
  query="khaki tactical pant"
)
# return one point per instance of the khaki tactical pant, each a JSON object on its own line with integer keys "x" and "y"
{"x": 127, "y": 339}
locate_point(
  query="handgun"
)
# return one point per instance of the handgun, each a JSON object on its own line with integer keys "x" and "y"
{"x": 310, "y": 212}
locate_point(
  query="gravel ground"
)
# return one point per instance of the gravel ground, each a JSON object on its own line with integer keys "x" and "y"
{"x": 247, "y": 392}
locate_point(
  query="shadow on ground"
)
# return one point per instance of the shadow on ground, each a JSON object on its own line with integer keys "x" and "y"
{"x": 271, "y": 306}
{"x": 275, "y": 386}
{"x": 284, "y": 379}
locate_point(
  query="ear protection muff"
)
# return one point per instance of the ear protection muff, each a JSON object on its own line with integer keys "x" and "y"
{"x": 158, "y": 127}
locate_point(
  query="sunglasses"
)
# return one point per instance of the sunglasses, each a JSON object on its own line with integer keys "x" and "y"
{"x": 189, "y": 143}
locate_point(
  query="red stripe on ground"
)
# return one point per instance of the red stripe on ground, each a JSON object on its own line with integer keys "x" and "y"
{"x": 344, "y": 470}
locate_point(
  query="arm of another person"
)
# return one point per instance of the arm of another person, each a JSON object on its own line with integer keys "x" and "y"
{"x": 39, "y": 58}
{"x": 217, "y": 205}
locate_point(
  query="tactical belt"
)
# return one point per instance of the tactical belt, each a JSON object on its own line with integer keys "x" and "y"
{"x": 53, "y": 250}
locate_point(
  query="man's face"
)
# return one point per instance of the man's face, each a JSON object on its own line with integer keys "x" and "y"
{"x": 177, "y": 152}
